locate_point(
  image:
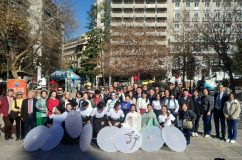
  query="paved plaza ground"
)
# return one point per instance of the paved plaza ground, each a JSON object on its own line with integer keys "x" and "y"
{"x": 200, "y": 149}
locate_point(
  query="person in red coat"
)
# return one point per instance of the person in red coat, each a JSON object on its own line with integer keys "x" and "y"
{"x": 52, "y": 102}
{"x": 6, "y": 106}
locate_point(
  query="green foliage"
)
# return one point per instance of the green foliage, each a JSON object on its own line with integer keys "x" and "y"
{"x": 238, "y": 57}
{"x": 90, "y": 57}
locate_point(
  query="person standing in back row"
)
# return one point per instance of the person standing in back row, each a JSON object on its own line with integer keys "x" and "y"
{"x": 28, "y": 112}
{"x": 207, "y": 107}
{"x": 7, "y": 103}
{"x": 219, "y": 100}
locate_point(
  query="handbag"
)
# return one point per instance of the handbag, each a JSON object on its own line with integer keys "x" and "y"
{"x": 187, "y": 124}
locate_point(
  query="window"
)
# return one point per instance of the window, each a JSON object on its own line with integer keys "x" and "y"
{"x": 177, "y": 16}
{"x": 206, "y": 26}
{"x": 228, "y": 4}
{"x": 196, "y": 4}
{"x": 217, "y": 15}
{"x": 207, "y": 16}
{"x": 177, "y": 4}
{"x": 196, "y": 15}
{"x": 228, "y": 27}
{"x": 217, "y": 4}
{"x": 188, "y": 4}
{"x": 187, "y": 15}
{"x": 206, "y": 4}
{"x": 176, "y": 26}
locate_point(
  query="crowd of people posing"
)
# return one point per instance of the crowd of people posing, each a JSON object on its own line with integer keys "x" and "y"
{"x": 137, "y": 107}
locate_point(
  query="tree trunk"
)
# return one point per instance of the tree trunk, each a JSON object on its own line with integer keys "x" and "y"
{"x": 14, "y": 71}
{"x": 184, "y": 70}
{"x": 231, "y": 77}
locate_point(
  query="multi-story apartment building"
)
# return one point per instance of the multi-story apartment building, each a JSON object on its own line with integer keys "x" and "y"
{"x": 72, "y": 50}
{"x": 148, "y": 14}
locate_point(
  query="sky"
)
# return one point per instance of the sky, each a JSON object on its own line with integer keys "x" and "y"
{"x": 80, "y": 8}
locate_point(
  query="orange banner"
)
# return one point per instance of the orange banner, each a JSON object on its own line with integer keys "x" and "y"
{"x": 17, "y": 85}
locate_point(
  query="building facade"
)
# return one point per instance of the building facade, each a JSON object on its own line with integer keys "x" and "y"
{"x": 72, "y": 50}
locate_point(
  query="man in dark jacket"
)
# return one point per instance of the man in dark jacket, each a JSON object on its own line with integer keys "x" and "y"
{"x": 28, "y": 112}
{"x": 185, "y": 99}
{"x": 219, "y": 100}
{"x": 197, "y": 109}
{"x": 207, "y": 107}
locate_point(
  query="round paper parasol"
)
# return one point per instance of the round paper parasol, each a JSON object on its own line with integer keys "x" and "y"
{"x": 86, "y": 137}
{"x": 127, "y": 140}
{"x": 105, "y": 139}
{"x": 151, "y": 139}
{"x": 55, "y": 136}
{"x": 73, "y": 124}
{"x": 36, "y": 138}
{"x": 174, "y": 138}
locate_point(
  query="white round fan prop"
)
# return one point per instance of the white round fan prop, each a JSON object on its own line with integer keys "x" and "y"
{"x": 151, "y": 139}
{"x": 174, "y": 138}
{"x": 127, "y": 140}
{"x": 105, "y": 139}
{"x": 36, "y": 138}
{"x": 73, "y": 124}
{"x": 86, "y": 137}
{"x": 55, "y": 136}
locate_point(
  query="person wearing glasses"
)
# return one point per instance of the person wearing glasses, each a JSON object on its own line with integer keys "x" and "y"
{"x": 16, "y": 108}
{"x": 220, "y": 99}
{"x": 60, "y": 93}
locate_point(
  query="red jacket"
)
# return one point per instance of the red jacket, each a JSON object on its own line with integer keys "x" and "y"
{"x": 51, "y": 104}
{"x": 4, "y": 107}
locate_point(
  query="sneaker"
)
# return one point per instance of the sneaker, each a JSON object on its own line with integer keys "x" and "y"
{"x": 196, "y": 134}
{"x": 232, "y": 141}
{"x": 193, "y": 134}
{"x": 207, "y": 136}
{"x": 227, "y": 140}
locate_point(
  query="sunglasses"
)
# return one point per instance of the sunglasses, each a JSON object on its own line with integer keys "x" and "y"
{"x": 19, "y": 94}
{"x": 60, "y": 90}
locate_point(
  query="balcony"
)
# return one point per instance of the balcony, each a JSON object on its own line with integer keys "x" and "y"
{"x": 164, "y": 5}
{"x": 150, "y": 5}
{"x": 139, "y": 14}
{"x": 161, "y": 15}
{"x": 128, "y": 14}
{"x": 113, "y": 5}
{"x": 161, "y": 24}
{"x": 116, "y": 14}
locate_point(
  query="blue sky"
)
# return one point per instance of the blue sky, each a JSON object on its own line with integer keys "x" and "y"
{"x": 80, "y": 8}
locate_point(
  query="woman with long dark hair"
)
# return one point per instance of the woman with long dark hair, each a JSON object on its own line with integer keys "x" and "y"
{"x": 99, "y": 116}
{"x": 115, "y": 115}
{"x": 52, "y": 102}
{"x": 165, "y": 118}
{"x": 41, "y": 109}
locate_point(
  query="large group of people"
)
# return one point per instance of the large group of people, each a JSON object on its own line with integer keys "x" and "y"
{"x": 134, "y": 106}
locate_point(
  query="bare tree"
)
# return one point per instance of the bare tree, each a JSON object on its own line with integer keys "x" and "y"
{"x": 220, "y": 30}
{"x": 30, "y": 27}
{"x": 134, "y": 51}
{"x": 185, "y": 44}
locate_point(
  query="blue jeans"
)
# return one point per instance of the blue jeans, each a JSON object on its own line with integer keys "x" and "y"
{"x": 207, "y": 127}
{"x": 232, "y": 128}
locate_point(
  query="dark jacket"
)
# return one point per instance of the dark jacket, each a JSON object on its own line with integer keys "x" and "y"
{"x": 224, "y": 99}
{"x": 24, "y": 109}
{"x": 188, "y": 100}
{"x": 197, "y": 106}
{"x": 207, "y": 104}
{"x": 188, "y": 115}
